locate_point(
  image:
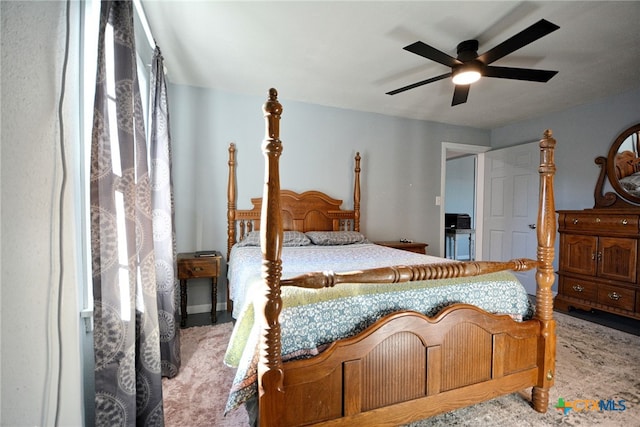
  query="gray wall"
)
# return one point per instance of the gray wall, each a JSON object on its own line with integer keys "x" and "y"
{"x": 400, "y": 165}
{"x": 460, "y": 198}
{"x": 39, "y": 302}
{"x": 582, "y": 133}
{"x": 400, "y": 161}
{"x": 460, "y": 185}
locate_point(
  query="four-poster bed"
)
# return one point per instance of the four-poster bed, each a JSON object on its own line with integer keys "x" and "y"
{"x": 403, "y": 366}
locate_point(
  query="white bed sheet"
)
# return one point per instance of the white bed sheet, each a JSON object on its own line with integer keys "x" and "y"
{"x": 246, "y": 261}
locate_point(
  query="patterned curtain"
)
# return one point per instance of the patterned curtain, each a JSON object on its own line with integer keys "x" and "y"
{"x": 163, "y": 220}
{"x": 128, "y": 378}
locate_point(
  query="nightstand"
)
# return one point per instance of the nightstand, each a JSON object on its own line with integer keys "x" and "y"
{"x": 195, "y": 265}
{"x": 417, "y": 247}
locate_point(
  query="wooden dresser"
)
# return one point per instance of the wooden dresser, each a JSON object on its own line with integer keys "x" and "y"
{"x": 598, "y": 266}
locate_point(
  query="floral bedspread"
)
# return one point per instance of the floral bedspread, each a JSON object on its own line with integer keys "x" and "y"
{"x": 631, "y": 183}
{"x": 312, "y": 319}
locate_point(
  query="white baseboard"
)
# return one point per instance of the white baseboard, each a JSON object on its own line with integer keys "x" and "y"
{"x": 205, "y": 308}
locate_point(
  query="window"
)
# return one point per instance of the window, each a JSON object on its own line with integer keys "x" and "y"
{"x": 144, "y": 47}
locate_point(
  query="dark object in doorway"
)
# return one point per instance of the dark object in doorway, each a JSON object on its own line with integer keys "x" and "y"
{"x": 457, "y": 220}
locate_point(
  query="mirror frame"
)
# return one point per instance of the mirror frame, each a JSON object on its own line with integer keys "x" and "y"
{"x": 621, "y": 198}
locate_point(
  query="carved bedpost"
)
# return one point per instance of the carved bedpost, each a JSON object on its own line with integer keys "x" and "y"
{"x": 231, "y": 210}
{"x": 231, "y": 199}
{"x": 545, "y": 275}
{"x": 270, "y": 373}
{"x": 356, "y": 195}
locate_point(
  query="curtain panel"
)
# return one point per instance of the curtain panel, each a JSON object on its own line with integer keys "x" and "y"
{"x": 128, "y": 378}
{"x": 168, "y": 286}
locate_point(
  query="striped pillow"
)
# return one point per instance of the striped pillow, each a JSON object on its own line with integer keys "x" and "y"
{"x": 289, "y": 238}
{"x": 333, "y": 238}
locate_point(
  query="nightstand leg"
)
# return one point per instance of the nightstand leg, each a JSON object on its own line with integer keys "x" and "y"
{"x": 214, "y": 298}
{"x": 183, "y": 303}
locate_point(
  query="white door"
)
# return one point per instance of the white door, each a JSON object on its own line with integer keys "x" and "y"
{"x": 511, "y": 206}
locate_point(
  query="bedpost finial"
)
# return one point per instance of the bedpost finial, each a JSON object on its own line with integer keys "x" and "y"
{"x": 272, "y": 110}
{"x": 548, "y": 141}
{"x": 272, "y": 106}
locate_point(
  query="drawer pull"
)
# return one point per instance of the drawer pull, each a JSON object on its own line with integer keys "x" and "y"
{"x": 614, "y": 296}
{"x": 577, "y": 288}
{"x": 198, "y": 268}
{"x": 598, "y": 220}
{"x": 624, "y": 221}
{"x": 575, "y": 221}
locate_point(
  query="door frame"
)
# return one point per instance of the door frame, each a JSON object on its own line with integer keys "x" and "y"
{"x": 478, "y": 151}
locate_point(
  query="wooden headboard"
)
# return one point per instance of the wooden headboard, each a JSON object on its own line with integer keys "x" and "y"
{"x": 626, "y": 164}
{"x": 308, "y": 211}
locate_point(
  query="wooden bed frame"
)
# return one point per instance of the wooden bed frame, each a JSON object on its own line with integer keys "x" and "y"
{"x": 406, "y": 366}
{"x": 626, "y": 164}
{"x": 308, "y": 211}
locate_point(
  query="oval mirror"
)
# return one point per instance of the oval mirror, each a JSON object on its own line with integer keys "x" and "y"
{"x": 623, "y": 164}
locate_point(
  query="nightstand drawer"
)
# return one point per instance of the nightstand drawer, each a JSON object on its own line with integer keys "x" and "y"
{"x": 198, "y": 267}
{"x": 615, "y": 296}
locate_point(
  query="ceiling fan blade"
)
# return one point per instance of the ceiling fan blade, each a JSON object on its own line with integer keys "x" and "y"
{"x": 423, "y": 82}
{"x": 519, "y": 73}
{"x": 460, "y": 94}
{"x": 523, "y": 38}
{"x": 423, "y": 49}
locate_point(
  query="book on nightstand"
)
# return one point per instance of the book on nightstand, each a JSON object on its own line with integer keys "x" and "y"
{"x": 200, "y": 254}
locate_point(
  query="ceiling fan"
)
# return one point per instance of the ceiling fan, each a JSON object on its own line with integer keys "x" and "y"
{"x": 468, "y": 67}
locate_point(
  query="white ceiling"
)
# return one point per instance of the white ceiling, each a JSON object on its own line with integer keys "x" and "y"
{"x": 348, "y": 54}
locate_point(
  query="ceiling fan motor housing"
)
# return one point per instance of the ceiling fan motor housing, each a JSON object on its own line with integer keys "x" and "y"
{"x": 467, "y": 50}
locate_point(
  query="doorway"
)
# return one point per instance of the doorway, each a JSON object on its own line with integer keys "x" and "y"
{"x": 459, "y": 207}
{"x": 463, "y": 156}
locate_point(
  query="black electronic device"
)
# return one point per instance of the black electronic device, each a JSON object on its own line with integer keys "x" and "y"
{"x": 457, "y": 220}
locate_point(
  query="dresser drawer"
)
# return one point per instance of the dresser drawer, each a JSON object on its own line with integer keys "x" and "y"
{"x": 614, "y": 296}
{"x": 198, "y": 267}
{"x": 593, "y": 222}
{"x": 579, "y": 289}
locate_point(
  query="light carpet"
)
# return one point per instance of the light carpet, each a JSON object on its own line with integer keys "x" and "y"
{"x": 197, "y": 395}
{"x": 593, "y": 362}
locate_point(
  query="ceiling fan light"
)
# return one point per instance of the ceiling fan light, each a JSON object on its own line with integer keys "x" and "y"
{"x": 465, "y": 76}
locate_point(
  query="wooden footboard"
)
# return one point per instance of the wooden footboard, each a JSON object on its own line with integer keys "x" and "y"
{"x": 406, "y": 366}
